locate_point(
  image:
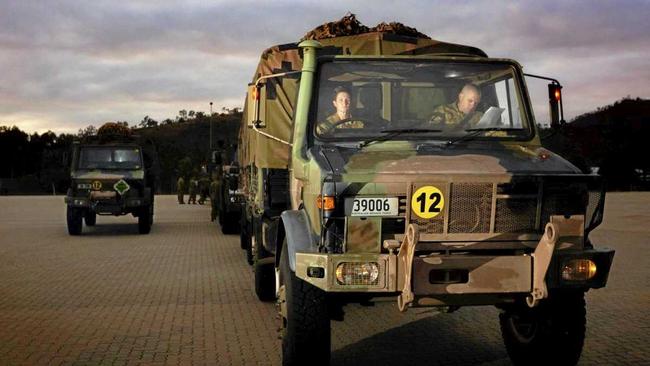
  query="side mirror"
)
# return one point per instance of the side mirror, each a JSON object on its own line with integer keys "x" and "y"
{"x": 555, "y": 104}
{"x": 256, "y": 113}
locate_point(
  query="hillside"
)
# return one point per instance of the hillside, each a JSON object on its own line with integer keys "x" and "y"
{"x": 612, "y": 138}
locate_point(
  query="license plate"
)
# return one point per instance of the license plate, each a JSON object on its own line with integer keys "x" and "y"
{"x": 367, "y": 206}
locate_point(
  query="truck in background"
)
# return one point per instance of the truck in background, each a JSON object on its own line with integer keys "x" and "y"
{"x": 111, "y": 174}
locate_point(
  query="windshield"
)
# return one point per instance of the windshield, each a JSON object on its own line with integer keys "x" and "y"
{"x": 367, "y": 100}
{"x": 110, "y": 158}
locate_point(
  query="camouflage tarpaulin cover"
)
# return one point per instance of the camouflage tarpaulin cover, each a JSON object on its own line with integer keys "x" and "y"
{"x": 113, "y": 128}
{"x": 344, "y": 37}
{"x": 349, "y": 25}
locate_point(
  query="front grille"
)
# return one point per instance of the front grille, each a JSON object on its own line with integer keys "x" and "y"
{"x": 518, "y": 207}
{"x": 522, "y": 206}
{"x": 429, "y": 226}
{"x": 470, "y": 209}
{"x": 515, "y": 215}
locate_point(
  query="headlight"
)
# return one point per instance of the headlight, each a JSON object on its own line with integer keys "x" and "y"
{"x": 83, "y": 186}
{"x": 578, "y": 270}
{"x": 357, "y": 273}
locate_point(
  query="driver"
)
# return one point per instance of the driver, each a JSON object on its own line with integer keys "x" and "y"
{"x": 341, "y": 102}
{"x": 462, "y": 112}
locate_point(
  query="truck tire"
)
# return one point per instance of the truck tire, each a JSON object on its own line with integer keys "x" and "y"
{"x": 552, "y": 333}
{"x": 230, "y": 224}
{"x": 244, "y": 239}
{"x": 90, "y": 217}
{"x": 249, "y": 254}
{"x": 145, "y": 219}
{"x": 264, "y": 275}
{"x": 245, "y": 242}
{"x": 74, "y": 218}
{"x": 305, "y": 324}
{"x": 244, "y": 234}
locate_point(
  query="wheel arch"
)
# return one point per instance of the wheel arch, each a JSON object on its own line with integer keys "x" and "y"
{"x": 295, "y": 227}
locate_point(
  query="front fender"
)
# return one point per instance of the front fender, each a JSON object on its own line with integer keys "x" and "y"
{"x": 299, "y": 236}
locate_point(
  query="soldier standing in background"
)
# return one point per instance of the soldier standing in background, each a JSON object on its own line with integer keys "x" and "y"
{"x": 180, "y": 190}
{"x": 194, "y": 186}
{"x": 204, "y": 186}
{"x": 214, "y": 194}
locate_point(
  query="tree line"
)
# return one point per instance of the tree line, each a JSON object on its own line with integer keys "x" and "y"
{"x": 39, "y": 163}
{"x": 611, "y": 138}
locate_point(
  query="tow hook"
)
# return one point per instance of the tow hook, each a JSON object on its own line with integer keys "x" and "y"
{"x": 405, "y": 261}
{"x": 541, "y": 259}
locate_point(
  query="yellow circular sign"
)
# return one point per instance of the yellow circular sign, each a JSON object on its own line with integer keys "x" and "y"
{"x": 427, "y": 202}
{"x": 97, "y": 185}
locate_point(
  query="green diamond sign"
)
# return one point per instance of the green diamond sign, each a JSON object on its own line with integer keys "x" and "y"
{"x": 121, "y": 186}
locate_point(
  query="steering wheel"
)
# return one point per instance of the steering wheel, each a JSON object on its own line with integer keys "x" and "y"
{"x": 346, "y": 120}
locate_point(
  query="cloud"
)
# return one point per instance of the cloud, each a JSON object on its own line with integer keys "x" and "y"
{"x": 67, "y": 64}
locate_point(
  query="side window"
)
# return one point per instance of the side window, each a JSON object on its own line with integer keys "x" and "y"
{"x": 507, "y": 98}
{"x": 514, "y": 105}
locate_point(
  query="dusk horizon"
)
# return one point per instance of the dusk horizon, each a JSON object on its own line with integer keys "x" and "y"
{"x": 69, "y": 65}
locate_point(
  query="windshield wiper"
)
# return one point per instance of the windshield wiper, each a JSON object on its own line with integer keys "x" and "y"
{"x": 475, "y": 132}
{"x": 390, "y": 133}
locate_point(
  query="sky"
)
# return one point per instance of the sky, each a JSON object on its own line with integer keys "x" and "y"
{"x": 65, "y": 65}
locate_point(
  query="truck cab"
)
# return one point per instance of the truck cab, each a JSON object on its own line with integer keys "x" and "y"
{"x": 410, "y": 195}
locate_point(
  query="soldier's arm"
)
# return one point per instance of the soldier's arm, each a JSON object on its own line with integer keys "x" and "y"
{"x": 324, "y": 127}
{"x": 438, "y": 116}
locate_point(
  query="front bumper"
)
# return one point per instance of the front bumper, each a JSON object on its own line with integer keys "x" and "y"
{"x": 113, "y": 206}
{"x": 453, "y": 279}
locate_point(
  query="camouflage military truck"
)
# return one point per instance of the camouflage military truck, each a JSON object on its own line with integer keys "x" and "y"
{"x": 110, "y": 174}
{"x": 392, "y": 202}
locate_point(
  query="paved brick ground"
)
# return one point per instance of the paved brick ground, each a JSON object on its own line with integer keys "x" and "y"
{"x": 183, "y": 295}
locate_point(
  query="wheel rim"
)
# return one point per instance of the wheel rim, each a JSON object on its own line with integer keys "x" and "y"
{"x": 523, "y": 328}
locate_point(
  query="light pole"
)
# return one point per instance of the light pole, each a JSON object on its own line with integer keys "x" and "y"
{"x": 210, "y": 128}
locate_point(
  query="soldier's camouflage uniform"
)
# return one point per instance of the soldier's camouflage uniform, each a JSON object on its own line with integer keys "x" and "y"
{"x": 329, "y": 124}
{"x": 180, "y": 189}
{"x": 194, "y": 186}
{"x": 450, "y": 116}
{"x": 204, "y": 186}
{"x": 214, "y": 194}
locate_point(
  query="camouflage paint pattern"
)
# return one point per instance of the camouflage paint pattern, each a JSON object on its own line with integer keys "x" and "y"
{"x": 330, "y": 123}
{"x": 396, "y": 168}
{"x": 450, "y": 115}
{"x": 280, "y": 95}
{"x": 101, "y": 184}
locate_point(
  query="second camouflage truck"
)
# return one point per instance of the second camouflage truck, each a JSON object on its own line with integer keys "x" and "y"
{"x": 111, "y": 173}
{"x": 393, "y": 198}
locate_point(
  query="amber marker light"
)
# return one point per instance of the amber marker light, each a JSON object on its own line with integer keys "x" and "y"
{"x": 544, "y": 155}
{"x": 579, "y": 270}
{"x": 325, "y": 202}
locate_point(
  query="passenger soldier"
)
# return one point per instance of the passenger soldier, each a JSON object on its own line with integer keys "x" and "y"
{"x": 462, "y": 112}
